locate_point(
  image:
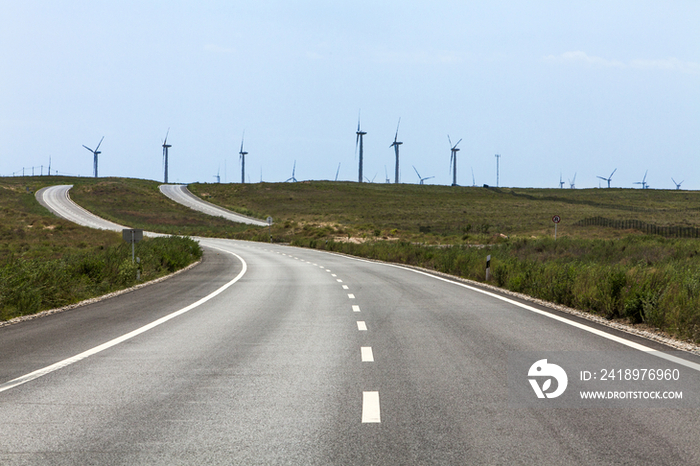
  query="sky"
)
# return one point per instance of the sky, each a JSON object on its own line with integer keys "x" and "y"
{"x": 557, "y": 89}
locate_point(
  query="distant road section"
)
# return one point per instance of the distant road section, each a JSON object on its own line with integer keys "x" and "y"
{"x": 57, "y": 200}
{"x": 181, "y": 195}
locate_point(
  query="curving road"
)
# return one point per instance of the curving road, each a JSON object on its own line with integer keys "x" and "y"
{"x": 181, "y": 195}
{"x": 267, "y": 354}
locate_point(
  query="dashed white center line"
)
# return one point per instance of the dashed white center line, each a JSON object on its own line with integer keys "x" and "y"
{"x": 355, "y": 308}
{"x": 361, "y": 325}
{"x": 366, "y": 353}
{"x": 333, "y": 275}
{"x": 370, "y": 407}
{"x": 351, "y": 296}
{"x": 345, "y": 287}
{"x": 327, "y": 270}
{"x": 339, "y": 280}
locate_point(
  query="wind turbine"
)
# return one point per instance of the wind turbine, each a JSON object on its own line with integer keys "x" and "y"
{"x": 292, "y": 179}
{"x": 396, "y": 145}
{"x": 386, "y": 175}
{"x": 644, "y": 181}
{"x": 166, "y": 146}
{"x": 95, "y": 152}
{"x": 337, "y": 171}
{"x": 420, "y": 178}
{"x": 242, "y": 155}
{"x": 453, "y": 160}
{"x": 218, "y": 178}
{"x": 608, "y": 179}
{"x": 572, "y": 183}
{"x": 678, "y": 185}
{"x": 561, "y": 182}
{"x": 473, "y": 179}
{"x": 360, "y": 134}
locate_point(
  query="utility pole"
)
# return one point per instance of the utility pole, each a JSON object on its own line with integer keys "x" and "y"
{"x": 498, "y": 156}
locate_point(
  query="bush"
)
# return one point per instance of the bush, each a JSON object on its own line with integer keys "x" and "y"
{"x": 29, "y": 286}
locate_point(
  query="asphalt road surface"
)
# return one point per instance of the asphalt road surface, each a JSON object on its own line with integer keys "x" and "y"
{"x": 180, "y": 194}
{"x": 300, "y": 357}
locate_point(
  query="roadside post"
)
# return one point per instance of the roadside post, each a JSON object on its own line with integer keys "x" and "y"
{"x": 133, "y": 236}
{"x": 556, "y": 219}
{"x": 488, "y": 267}
{"x": 269, "y": 227}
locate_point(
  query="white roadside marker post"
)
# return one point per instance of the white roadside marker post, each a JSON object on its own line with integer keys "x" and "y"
{"x": 488, "y": 267}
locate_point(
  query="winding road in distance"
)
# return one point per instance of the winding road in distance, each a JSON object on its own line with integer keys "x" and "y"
{"x": 267, "y": 354}
{"x": 180, "y": 194}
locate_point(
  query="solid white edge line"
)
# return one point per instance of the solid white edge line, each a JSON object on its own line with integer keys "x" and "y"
{"x": 85, "y": 354}
{"x": 370, "y": 407}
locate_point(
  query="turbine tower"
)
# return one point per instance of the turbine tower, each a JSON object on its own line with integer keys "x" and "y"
{"x": 498, "y": 159}
{"x": 572, "y": 183}
{"x": 166, "y": 146}
{"x": 242, "y": 155}
{"x": 360, "y": 134}
{"x": 396, "y": 145}
{"x": 608, "y": 179}
{"x": 95, "y": 152}
{"x": 453, "y": 160}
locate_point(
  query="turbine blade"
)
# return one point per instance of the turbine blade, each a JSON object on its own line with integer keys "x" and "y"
{"x": 88, "y": 148}
{"x": 416, "y": 171}
{"x": 166, "y": 137}
{"x": 613, "y": 173}
{"x": 448, "y": 138}
{"x": 98, "y": 145}
{"x": 458, "y": 143}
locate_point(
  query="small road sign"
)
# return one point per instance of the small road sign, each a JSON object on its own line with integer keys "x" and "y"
{"x": 269, "y": 220}
{"x": 556, "y": 219}
{"x": 131, "y": 235}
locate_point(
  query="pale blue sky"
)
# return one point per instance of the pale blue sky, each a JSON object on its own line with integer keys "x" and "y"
{"x": 570, "y": 87}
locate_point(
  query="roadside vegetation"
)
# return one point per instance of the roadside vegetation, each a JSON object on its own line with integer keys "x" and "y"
{"x": 46, "y": 262}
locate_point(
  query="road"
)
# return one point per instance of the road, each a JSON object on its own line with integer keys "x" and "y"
{"x": 305, "y": 357}
{"x": 181, "y": 195}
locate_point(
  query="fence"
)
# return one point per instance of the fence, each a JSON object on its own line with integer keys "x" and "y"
{"x": 672, "y": 231}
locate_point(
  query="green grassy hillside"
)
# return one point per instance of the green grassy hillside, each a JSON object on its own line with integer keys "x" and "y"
{"x": 450, "y": 214}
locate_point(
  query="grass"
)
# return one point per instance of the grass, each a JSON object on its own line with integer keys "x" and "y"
{"x": 448, "y": 215}
{"x": 48, "y": 262}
